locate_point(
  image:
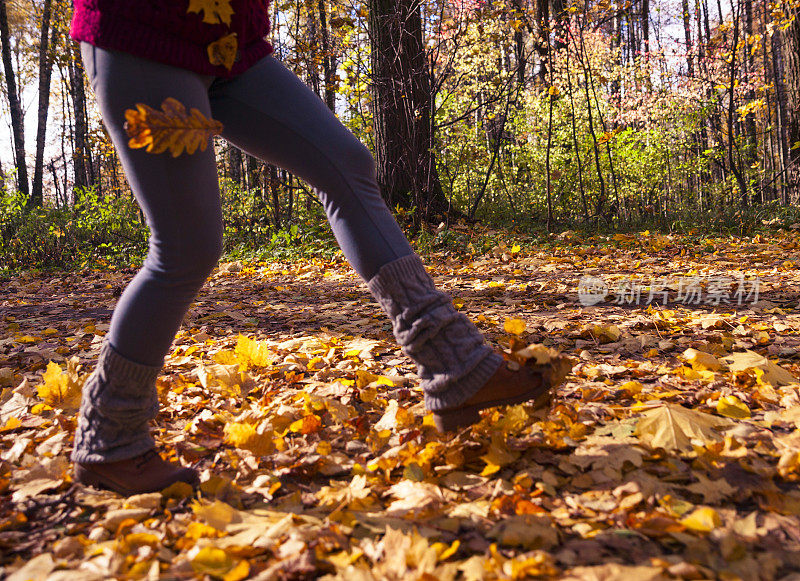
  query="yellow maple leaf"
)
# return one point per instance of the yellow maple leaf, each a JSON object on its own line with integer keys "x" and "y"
{"x": 216, "y": 514}
{"x": 672, "y": 427}
{"x": 702, "y": 361}
{"x": 211, "y": 561}
{"x": 731, "y": 406}
{"x": 214, "y": 11}
{"x": 306, "y": 425}
{"x": 498, "y": 456}
{"x": 253, "y": 353}
{"x": 61, "y": 388}
{"x": 223, "y": 52}
{"x": 11, "y": 424}
{"x": 172, "y": 128}
{"x": 514, "y": 326}
{"x": 246, "y": 436}
{"x": 703, "y": 519}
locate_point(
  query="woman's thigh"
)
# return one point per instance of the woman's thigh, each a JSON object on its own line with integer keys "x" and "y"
{"x": 269, "y": 113}
{"x": 178, "y": 195}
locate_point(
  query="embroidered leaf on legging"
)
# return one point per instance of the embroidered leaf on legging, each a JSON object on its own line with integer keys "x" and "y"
{"x": 172, "y": 129}
{"x": 223, "y": 51}
{"x": 214, "y": 11}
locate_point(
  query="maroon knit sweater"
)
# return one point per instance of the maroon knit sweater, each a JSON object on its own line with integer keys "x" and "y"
{"x": 165, "y": 30}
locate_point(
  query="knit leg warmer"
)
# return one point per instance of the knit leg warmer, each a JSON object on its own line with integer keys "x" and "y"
{"x": 119, "y": 399}
{"x": 453, "y": 360}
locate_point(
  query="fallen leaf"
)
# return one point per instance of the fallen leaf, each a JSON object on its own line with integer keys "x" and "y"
{"x": 672, "y": 427}
{"x": 772, "y": 373}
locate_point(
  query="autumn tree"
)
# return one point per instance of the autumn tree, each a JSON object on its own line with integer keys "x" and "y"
{"x": 402, "y": 108}
{"x": 791, "y": 61}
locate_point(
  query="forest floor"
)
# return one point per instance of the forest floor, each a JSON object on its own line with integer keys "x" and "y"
{"x": 672, "y": 450}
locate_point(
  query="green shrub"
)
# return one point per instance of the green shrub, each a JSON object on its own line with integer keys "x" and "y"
{"x": 96, "y": 231}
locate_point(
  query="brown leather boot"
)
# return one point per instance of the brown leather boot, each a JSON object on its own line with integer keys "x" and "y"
{"x": 508, "y": 386}
{"x": 146, "y": 473}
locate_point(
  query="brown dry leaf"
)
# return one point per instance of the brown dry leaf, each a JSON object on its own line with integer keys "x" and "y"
{"x": 356, "y": 495}
{"x": 35, "y": 487}
{"x": 395, "y": 417}
{"x": 172, "y": 129}
{"x": 37, "y": 569}
{"x": 672, "y": 427}
{"x": 771, "y": 373}
{"x": 616, "y": 572}
{"x": 712, "y": 491}
{"x": 526, "y": 531}
{"x": 414, "y": 499}
{"x": 702, "y": 361}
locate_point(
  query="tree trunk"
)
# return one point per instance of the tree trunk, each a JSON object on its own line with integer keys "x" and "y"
{"x": 45, "y": 70}
{"x": 542, "y": 45}
{"x": 14, "y": 105}
{"x": 328, "y": 59}
{"x": 519, "y": 44}
{"x": 402, "y": 109}
{"x": 645, "y": 21}
{"x": 80, "y": 149}
{"x": 312, "y": 56}
{"x": 751, "y": 132}
{"x": 791, "y": 60}
{"x": 687, "y": 33}
{"x": 737, "y": 172}
{"x": 782, "y": 113}
{"x": 235, "y": 164}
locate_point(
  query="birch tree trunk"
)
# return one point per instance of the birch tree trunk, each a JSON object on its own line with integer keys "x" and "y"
{"x": 17, "y": 121}
{"x": 45, "y": 70}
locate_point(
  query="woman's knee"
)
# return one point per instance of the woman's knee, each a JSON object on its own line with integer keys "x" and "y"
{"x": 187, "y": 261}
{"x": 357, "y": 158}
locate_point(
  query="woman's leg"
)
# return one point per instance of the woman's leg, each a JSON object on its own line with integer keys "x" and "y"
{"x": 272, "y": 115}
{"x": 180, "y": 200}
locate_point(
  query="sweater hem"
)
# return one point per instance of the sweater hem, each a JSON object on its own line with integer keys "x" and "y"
{"x": 153, "y": 44}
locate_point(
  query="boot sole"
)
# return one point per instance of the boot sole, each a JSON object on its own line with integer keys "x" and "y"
{"x": 552, "y": 375}
{"x": 89, "y": 478}
{"x": 455, "y": 419}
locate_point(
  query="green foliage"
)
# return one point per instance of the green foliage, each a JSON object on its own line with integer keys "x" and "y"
{"x": 312, "y": 238}
{"x": 95, "y": 231}
{"x": 278, "y": 229}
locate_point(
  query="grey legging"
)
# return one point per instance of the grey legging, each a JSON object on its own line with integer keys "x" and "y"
{"x": 269, "y": 113}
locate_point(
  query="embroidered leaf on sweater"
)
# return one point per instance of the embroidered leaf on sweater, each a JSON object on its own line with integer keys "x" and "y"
{"x": 172, "y": 129}
{"x": 214, "y": 11}
{"x": 223, "y": 51}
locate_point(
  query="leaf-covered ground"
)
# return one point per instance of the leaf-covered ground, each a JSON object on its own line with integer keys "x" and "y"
{"x": 671, "y": 452}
